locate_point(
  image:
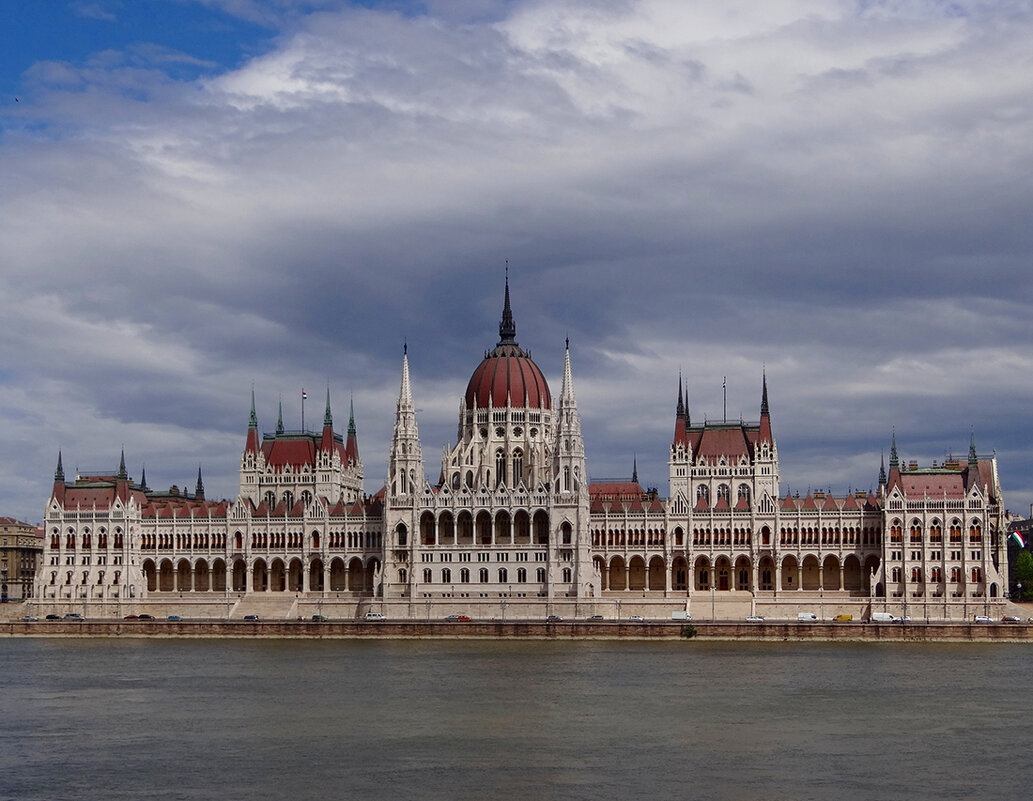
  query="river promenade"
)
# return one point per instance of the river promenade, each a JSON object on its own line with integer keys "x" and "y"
{"x": 528, "y": 630}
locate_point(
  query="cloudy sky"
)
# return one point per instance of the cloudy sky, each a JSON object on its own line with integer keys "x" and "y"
{"x": 202, "y": 195}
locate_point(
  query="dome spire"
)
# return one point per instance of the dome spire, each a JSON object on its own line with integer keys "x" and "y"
{"x": 507, "y": 328}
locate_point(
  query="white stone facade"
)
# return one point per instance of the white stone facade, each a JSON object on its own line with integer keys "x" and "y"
{"x": 513, "y": 522}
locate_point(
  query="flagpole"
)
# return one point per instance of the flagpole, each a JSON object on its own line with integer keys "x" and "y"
{"x": 724, "y": 391}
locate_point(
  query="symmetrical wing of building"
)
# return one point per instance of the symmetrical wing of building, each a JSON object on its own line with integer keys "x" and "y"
{"x": 513, "y": 519}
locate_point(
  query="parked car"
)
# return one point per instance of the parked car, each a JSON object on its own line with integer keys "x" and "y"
{"x": 251, "y": 617}
{"x": 452, "y": 618}
{"x": 145, "y": 616}
{"x": 73, "y": 616}
{"x": 842, "y": 618}
{"x": 553, "y": 619}
{"x": 319, "y": 618}
{"x": 1005, "y": 619}
{"x": 983, "y": 619}
{"x": 755, "y": 619}
{"x": 174, "y": 618}
{"x": 463, "y": 618}
{"x": 374, "y": 616}
{"x": 636, "y": 619}
{"x": 131, "y": 617}
{"x": 596, "y": 617}
{"x": 29, "y": 619}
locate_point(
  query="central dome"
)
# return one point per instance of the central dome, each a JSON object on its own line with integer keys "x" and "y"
{"x": 507, "y": 374}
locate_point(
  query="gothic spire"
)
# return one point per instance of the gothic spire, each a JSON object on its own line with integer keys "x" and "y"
{"x": 351, "y": 418}
{"x": 143, "y": 479}
{"x": 764, "y": 396}
{"x": 199, "y": 486}
{"x": 59, "y": 474}
{"x": 122, "y": 465}
{"x": 973, "y": 459}
{"x": 634, "y": 470}
{"x": 253, "y": 419}
{"x": 681, "y": 401}
{"x": 688, "y": 416}
{"x": 279, "y": 419}
{"x": 894, "y": 459}
{"x": 328, "y": 420}
{"x": 507, "y": 328}
{"x": 405, "y": 391}
{"x": 882, "y": 469}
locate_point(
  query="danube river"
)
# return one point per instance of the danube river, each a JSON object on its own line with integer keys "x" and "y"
{"x": 344, "y": 719}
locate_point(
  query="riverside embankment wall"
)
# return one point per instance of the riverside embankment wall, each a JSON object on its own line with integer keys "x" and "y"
{"x": 768, "y": 631}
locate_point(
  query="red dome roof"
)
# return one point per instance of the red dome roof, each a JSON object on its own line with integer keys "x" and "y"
{"x": 508, "y": 372}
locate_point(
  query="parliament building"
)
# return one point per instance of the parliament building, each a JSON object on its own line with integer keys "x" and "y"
{"x": 512, "y": 525}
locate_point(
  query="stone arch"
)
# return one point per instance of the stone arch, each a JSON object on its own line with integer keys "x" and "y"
{"x": 657, "y": 574}
{"x": 315, "y": 575}
{"x": 295, "y": 575}
{"x": 202, "y": 576}
{"x": 239, "y": 575}
{"x": 600, "y": 566}
{"x": 790, "y": 573}
{"x": 743, "y": 574}
{"x": 830, "y": 573}
{"x": 338, "y": 575}
{"x": 356, "y": 575}
{"x": 702, "y": 575}
{"x": 811, "y": 577}
{"x": 483, "y": 528}
{"x": 259, "y": 576}
{"x": 150, "y": 573}
{"x": 522, "y": 527}
{"x": 618, "y": 574}
{"x": 166, "y": 580}
{"x": 219, "y": 575}
{"x": 277, "y": 576}
{"x": 723, "y": 573}
{"x": 503, "y": 528}
{"x": 871, "y": 566}
{"x": 446, "y": 528}
{"x": 636, "y": 573}
{"x": 464, "y": 528}
{"x": 852, "y": 580}
{"x": 680, "y": 574}
{"x": 183, "y": 575}
{"x": 428, "y": 528}
{"x": 766, "y": 573}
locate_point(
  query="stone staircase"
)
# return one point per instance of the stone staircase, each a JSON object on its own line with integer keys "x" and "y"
{"x": 274, "y": 606}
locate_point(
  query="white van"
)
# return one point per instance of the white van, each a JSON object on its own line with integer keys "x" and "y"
{"x": 374, "y": 616}
{"x": 884, "y": 617}
{"x": 806, "y": 617}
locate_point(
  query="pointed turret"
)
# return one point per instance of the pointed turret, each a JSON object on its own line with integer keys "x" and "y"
{"x": 405, "y": 470}
{"x": 252, "y": 428}
{"x": 569, "y": 450}
{"x": 279, "y": 418}
{"x": 199, "y": 486}
{"x": 352, "y": 446}
{"x": 680, "y": 418}
{"x": 507, "y": 328}
{"x": 882, "y": 470}
{"x": 326, "y": 445}
{"x": 122, "y": 475}
{"x": 972, "y": 475}
{"x": 688, "y": 415}
{"x": 634, "y": 470}
{"x": 122, "y": 479}
{"x": 59, "y": 481}
{"x": 765, "y": 414}
{"x": 894, "y": 458}
{"x": 143, "y": 479}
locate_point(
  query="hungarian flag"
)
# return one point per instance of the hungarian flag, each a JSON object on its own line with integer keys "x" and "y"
{"x": 1018, "y": 539}
{"x": 304, "y": 395}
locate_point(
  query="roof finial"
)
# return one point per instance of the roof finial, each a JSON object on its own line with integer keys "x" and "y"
{"x": 351, "y": 417}
{"x": 279, "y": 419}
{"x": 328, "y": 419}
{"x": 894, "y": 459}
{"x": 681, "y": 401}
{"x": 122, "y": 465}
{"x": 973, "y": 458}
{"x": 507, "y": 328}
{"x": 882, "y": 468}
{"x": 634, "y": 469}
{"x": 764, "y": 394}
{"x": 199, "y": 487}
{"x": 59, "y": 474}
{"x": 253, "y": 420}
{"x": 143, "y": 478}
{"x": 405, "y": 346}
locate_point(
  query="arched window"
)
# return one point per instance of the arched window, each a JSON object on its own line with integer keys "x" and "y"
{"x": 270, "y": 499}
{"x": 403, "y": 535}
{"x": 565, "y": 529}
{"x": 566, "y": 479}
{"x": 703, "y": 491}
{"x": 723, "y": 492}
{"x": 540, "y": 575}
{"x": 503, "y": 575}
{"x": 483, "y": 575}
{"x": 518, "y": 467}
{"x": 744, "y": 492}
{"x": 566, "y": 574}
{"x": 403, "y": 576}
{"x": 428, "y": 576}
{"x": 464, "y": 575}
{"x": 446, "y": 576}
{"x": 521, "y": 575}
{"x": 500, "y": 468}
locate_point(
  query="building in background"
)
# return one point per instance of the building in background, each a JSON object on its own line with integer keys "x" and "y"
{"x": 21, "y": 548}
{"x": 514, "y": 525}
